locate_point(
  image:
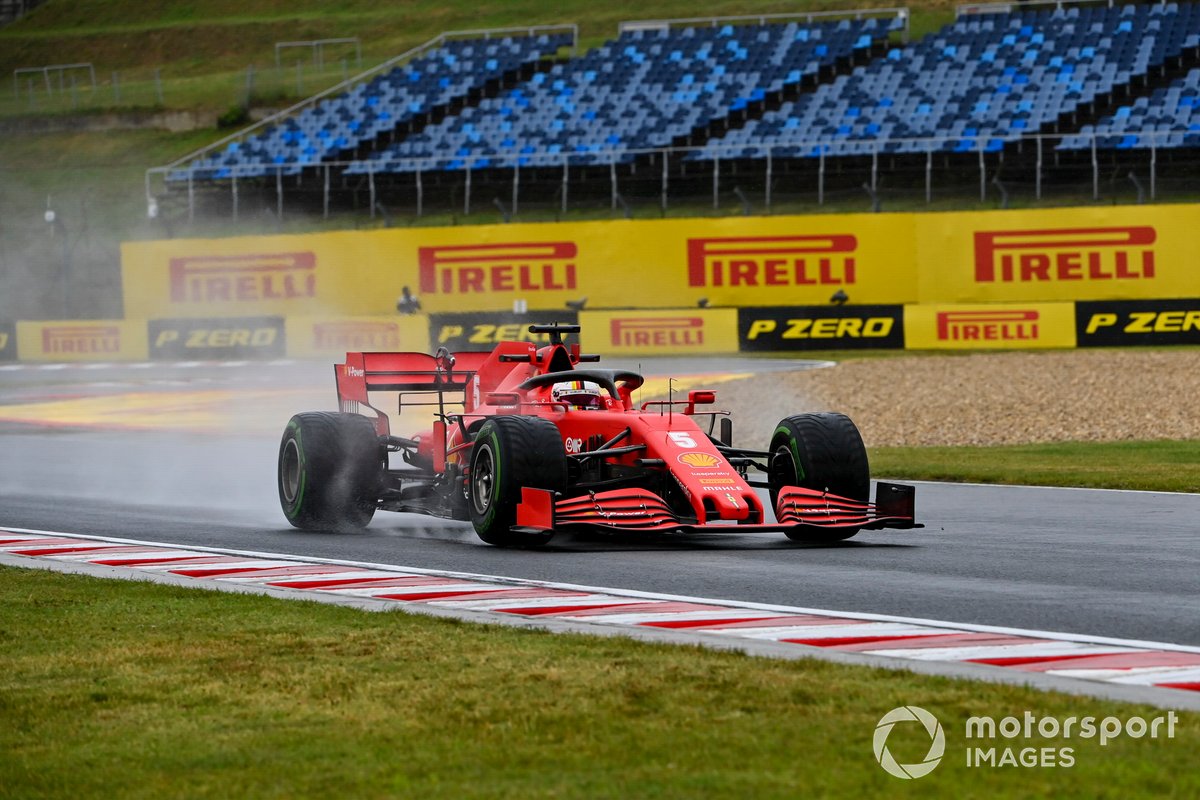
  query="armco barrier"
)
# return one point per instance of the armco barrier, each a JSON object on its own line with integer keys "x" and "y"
{"x": 659, "y": 332}
{"x": 784, "y": 328}
{"x": 82, "y": 340}
{"x": 1137, "y": 322}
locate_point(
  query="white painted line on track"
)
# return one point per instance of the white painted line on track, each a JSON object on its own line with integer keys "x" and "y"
{"x": 1030, "y": 486}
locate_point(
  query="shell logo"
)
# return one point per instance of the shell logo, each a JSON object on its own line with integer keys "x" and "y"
{"x": 698, "y": 460}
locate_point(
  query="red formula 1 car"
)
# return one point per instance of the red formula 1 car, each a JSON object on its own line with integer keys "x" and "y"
{"x": 542, "y": 444}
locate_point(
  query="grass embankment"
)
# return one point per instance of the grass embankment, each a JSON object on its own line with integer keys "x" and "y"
{"x": 1153, "y": 466}
{"x": 110, "y": 688}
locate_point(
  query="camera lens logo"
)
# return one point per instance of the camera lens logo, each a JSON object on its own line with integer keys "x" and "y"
{"x": 936, "y": 748}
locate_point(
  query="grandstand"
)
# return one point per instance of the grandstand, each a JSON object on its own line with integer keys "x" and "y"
{"x": 1029, "y": 95}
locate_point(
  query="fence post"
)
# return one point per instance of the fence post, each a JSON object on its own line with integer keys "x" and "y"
{"x": 371, "y": 186}
{"x": 191, "y": 197}
{"x": 279, "y": 194}
{"x": 420, "y": 196}
{"x": 982, "y": 174}
{"x": 821, "y": 177}
{"x": 1095, "y": 170}
{"x": 612, "y": 175}
{"x": 716, "y": 182}
{"x": 467, "y": 193}
{"x": 564, "y": 185}
{"x": 767, "y": 191}
{"x": 158, "y": 89}
{"x": 325, "y": 196}
{"x": 1038, "y": 179}
{"x": 233, "y": 186}
{"x": 516, "y": 184}
{"x": 1153, "y": 168}
{"x": 929, "y": 175}
{"x": 665, "y": 179}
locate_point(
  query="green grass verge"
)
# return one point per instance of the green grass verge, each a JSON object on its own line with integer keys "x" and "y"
{"x": 1161, "y": 465}
{"x": 110, "y": 688}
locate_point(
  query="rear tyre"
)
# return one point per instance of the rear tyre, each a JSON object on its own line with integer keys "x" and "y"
{"x": 330, "y": 470}
{"x": 511, "y": 452}
{"x": 823, "y": 452}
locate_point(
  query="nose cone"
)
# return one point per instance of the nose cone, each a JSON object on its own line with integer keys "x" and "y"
{"x": 732, "y": 506}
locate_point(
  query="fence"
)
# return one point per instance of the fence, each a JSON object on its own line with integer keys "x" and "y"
{"x": 1034, "y": 169}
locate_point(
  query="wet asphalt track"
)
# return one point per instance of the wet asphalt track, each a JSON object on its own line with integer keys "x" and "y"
{"x": 1090, "y": 562}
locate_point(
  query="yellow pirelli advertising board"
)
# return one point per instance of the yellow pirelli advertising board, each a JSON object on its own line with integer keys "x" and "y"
{"x": 992, "y": 326}
{"x": 333, "y": 337}
{"x": 663, "y": 332}
{"x": 1112, "y": 253}
{"x": 764, "y": 261}
{"x": 82, "y": 340}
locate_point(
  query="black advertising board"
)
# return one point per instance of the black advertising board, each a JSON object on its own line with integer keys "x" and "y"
{"x": 481, "y": 330}
{"x": 780, "y": 328}
{"x": 1121, "y": 323}
{"x": 8, "y": 341}
{"x": 218, "y": 339}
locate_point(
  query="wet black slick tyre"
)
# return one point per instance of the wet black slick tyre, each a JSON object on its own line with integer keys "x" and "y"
{"x": 511, "y": 452}
{"x": 823, "y": 452}
{"x": 330, "y": 469}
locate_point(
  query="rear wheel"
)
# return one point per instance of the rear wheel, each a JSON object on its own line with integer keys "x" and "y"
{"x": 329, "y": 472}
{"x": 823, "y": 452}
{"x": 511, "y": 452}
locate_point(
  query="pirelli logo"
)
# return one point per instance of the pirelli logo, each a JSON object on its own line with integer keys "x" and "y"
{"x": 987, "y": 326}
{"x": 80, "y": 339}
{"x": 772, "y": 260}
{"x": 509, "y": 267}
{"x": 355, "y": 336}
{"x": 1065, "y": 254}
{"x": 657, "y": 331}
{"x": 247, "y": 278}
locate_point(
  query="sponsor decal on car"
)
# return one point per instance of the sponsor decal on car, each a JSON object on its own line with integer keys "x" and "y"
{"x": 821, "y": 327}
{"x": 826, "y": 259}
{"x": 698, "y": 460}
{"x": 509, "y": 267}
{"x": 248, "y": 278}
{"x": 1137, "y": 322}
{"x": 247, "y": 337}
{"x": 1065, "y": 254}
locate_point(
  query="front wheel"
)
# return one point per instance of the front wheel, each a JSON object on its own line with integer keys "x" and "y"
{"x": 510, "y": 452}
{"x": 329, "y": 471}
{"x": 823, "y": 452}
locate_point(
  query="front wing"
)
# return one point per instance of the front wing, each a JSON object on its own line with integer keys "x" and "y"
{"x": 796, "y": 509}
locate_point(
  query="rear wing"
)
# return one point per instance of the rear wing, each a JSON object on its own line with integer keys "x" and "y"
{"x": 364, "y": 373}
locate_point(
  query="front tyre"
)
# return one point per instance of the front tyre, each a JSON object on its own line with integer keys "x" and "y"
{"x": 823, "y": 452}
{"x": 330, "y": 470}
{"x": 510, "y": 452}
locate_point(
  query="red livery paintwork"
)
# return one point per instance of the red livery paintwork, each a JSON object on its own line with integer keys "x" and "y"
{"x": 653, "y": 467}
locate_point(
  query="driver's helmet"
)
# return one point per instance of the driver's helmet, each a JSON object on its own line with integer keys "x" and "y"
{"x": 578, "y": 394}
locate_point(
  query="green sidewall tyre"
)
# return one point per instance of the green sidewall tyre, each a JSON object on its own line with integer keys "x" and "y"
{"x": 329, "y": 471}
{"x": 824, "y": 452}
{"x": 511, "y": 452}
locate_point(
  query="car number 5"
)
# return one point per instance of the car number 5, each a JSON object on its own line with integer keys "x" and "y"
{"x": 682, "y": 438}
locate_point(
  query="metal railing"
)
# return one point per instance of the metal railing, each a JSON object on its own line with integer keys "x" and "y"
{"x": 763, "y": 19}
{"x": 1036, "y": 159}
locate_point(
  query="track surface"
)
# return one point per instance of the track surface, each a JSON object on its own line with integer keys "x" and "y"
{"x": 1088, "y": 562}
